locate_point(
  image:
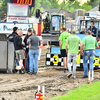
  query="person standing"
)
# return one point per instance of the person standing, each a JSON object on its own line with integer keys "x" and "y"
{"x": 89, "y": 44}
{"x": 34, "y": 43}
{"x": 72, "y": 45}
{"x": 62, "y": 43}
{"x": 93, "y": 29}
{"x": 14, "y": 33}
{"x": 27, "y": 49}
{"x": 18, "y": 44}
{"x": 11, "y": 40}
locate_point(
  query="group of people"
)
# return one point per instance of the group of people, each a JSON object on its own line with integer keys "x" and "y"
{"x": 30, "y": 45}
{"x": 69, "y": 46}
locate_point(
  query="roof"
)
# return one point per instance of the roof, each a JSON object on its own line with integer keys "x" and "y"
{"x": 94, "y": 9}
{"x": 52, "y": 10}
{"x": 60, "y": 11}
{"x": 55, "y": 10}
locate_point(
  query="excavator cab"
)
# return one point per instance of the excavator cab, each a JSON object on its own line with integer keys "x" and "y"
{"x": 52, "y": 25}
{"x": 57, "y": 22}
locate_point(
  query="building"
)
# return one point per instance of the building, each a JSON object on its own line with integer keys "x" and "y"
{"x": 94, "y": 9}
{"x": 68, "y": 14}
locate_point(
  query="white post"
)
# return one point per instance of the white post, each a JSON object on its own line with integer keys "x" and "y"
{"x": 38, "y": 88}
{"x": 89, "y": 75}
{"x": 90, "y": 78}
{"x": 43, "y": 91}
{"x": 92, "y": 75}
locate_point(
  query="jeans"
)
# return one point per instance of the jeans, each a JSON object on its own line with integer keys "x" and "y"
{"x": 33, "y": 59}
{"x": 74, "y": 58}
{"x": 27, "y": 61}
{"x": 88, "y": 55}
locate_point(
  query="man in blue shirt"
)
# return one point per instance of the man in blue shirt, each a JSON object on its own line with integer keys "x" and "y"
{"x": 93, "y": 29}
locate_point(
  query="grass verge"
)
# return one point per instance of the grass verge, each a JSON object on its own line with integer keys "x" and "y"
{"x": 84, "y": 92}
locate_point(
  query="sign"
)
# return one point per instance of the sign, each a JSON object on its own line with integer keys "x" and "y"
{"x": 18, "y": 10}
{"x": 57, "y": 60}
{"x": 30, "y": 2}
{"x": 7, "y": 28}
{"x": 17, "y": 19}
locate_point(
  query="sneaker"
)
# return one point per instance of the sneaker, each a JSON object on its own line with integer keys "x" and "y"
{"x": 30, "y": 73}
{"x": 65, "y": 71}
{"x": 20, "y": 72}
{"x": 26, "y": 71}
{"x": 73, "y": 77}
{"x": 85, "y": 76}
{"x": 35, "y": 73}
{"x": 69, "y": 75}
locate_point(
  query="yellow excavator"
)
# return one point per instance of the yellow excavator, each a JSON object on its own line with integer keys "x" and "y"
{"x": 51, "y": 25}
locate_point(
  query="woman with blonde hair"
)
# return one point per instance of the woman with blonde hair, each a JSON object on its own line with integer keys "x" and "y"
{"x": 34, "y": 43}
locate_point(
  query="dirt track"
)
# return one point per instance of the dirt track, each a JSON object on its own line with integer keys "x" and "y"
{"x": 23, "y": 87}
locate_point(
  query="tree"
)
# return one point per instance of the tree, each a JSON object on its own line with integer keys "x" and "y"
{"x": 37, "y": 6}
{"x": 86, "y": 7}
{"x": 3, "y": 7}
{"x": 92, "y": 3}
{"x": 49, "y": 4}
{"x": 71, "y": 6}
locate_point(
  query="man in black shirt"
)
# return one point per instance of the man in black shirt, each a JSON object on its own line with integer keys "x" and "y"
{"x": 27, "y": 49}
{"x": 11, "y": 39}
{"x": 18, "y": 44}
{"x": 14, "y": 33}
{"x": 93, "y": 29}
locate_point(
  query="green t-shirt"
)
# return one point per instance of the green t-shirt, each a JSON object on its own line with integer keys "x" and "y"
{"x": 73, "y": 44}
{"x": 90, "y": 42}
{"x": 63, "y": 38}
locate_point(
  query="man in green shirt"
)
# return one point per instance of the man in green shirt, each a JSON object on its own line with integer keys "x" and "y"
{"x": 62, "y": 43}
{"x": 72, "y": 45}
{"x": 89, "y": 44}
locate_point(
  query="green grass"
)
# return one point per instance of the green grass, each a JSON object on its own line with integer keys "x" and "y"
{"x": 84, "y": 92}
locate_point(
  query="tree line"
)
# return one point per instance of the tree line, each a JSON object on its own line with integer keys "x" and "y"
{"x": 69, "y": 5}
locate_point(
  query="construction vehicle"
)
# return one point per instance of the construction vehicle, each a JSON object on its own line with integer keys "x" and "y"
{"x": 51, "y": 25}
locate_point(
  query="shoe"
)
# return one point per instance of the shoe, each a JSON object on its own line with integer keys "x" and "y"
{"x": 22, "y": 68}
{"x": 73, "y": 77}
{"x": 26, "y": 71}
{"x": 85, "y": 76}
{"x": 69, "y": 75}
{"x": 35, "y": 73}
{"x": 65, "y": 71}
{"x": 30, "y": 73}
{"x": 20, "y": 72}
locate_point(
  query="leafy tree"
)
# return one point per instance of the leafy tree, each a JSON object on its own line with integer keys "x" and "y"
{"x": 3, "y": 7}
{"x": 49, "y": 4}
{"x": 86, "y": 7}
{"x": 37, "y": 6}
{"x": 69, "y": 5}
{"x": 72, "y": 5}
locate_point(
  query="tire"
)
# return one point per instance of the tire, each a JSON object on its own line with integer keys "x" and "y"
{"x": 37, "y": 13}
